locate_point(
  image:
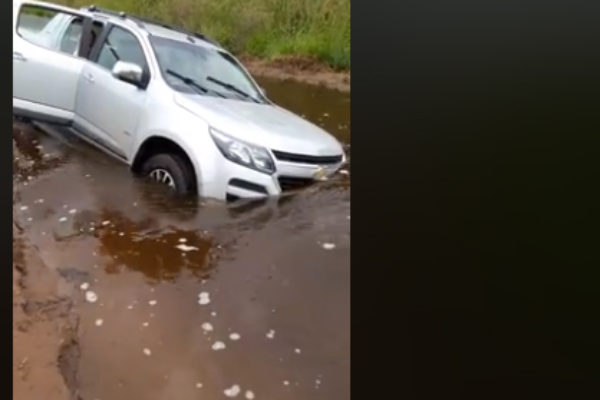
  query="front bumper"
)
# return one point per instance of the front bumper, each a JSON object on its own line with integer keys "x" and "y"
{"x": 239, "y": 182}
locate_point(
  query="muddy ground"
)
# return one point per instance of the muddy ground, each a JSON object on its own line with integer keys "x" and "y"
{"x": 44, "y": 324}
{"x": 121, "y": 292}
{"x": 301, "y": 70}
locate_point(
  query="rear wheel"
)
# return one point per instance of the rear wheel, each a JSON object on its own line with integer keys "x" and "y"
{"x": 172, "y": 171}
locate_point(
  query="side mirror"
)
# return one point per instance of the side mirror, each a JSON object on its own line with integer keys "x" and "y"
{"x": 129, "y": 72}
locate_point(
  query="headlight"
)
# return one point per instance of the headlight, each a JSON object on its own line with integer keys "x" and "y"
{"x": 242, "y": 153}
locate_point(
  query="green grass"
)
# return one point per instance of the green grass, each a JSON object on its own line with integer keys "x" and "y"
{"x": 266, "y": 29}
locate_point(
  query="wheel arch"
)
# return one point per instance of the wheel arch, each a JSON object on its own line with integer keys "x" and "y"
{"x": 156, "y": 144}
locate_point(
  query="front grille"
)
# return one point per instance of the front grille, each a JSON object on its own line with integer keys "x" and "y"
{"x": 288, "y": 183}
{"x": 304, "y": 159}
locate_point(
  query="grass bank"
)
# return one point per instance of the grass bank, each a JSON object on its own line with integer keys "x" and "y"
{"x": 266, "y": 29}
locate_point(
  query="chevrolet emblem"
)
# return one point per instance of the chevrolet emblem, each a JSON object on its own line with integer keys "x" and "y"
{"x": 320, "y": 173}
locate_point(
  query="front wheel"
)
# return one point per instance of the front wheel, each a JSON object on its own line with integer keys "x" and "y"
{"x": 170, "y": 170}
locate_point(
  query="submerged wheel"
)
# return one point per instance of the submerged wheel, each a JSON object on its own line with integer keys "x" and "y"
{"x": 170, "y": 170}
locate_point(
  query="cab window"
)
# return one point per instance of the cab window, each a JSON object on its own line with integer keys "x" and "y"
{"x": 121, "y": 45}
{"x": 45, "y": 27}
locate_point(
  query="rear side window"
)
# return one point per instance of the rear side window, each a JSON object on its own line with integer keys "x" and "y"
{"x": 49, "y": 28}
{"x": 121, "y": 45}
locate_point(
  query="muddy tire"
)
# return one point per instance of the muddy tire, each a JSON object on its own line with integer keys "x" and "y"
{"x": 171, "y": 170}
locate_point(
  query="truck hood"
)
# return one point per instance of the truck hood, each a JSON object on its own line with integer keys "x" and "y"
{"x": 262, "y": 124}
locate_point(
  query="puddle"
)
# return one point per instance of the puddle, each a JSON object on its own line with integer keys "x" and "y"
{"x": 326, "y": 108}
{"x": 275, "y": 276}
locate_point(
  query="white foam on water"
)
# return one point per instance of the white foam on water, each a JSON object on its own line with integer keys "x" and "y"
{"x": 186, "y": 248}
{"x": 218, "y": 345}
{"x": 204, "y": 298}
{"x": 91, "y": 297}
{"x": 233, "y": 391}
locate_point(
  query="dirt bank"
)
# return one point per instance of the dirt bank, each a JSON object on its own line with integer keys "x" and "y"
{"x": 44, "y": 330}
{"x": 44, "y": 326}
{"x": 298, "y": 69}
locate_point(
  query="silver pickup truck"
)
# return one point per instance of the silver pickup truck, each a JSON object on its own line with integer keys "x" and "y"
{"x": 171, "y": 104}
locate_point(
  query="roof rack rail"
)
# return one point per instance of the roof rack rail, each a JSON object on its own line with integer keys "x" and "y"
{"x": 120, "y": 14}
{"x": 141, "y": 20}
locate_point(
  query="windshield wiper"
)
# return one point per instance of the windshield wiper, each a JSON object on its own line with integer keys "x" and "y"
{"x": 112, "y": 50}
{"x": 190, "y": 82}
{"x": 231, "y": 87}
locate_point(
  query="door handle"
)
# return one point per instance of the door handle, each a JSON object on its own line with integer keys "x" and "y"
{"x": 18, "y": 56}
{"x": 89, "y": 77}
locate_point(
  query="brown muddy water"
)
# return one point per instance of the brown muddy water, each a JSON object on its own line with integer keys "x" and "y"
{"x": 187, "y": 299}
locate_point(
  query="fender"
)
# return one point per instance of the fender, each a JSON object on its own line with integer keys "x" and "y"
{"x": 162, "y": 134}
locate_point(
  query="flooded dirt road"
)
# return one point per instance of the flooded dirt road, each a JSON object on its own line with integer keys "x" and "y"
{"x": 124, "y": 293}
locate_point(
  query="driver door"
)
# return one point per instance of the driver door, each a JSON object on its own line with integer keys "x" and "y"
{"x": 108, "y": 109}
{"x": 46, "y": 61}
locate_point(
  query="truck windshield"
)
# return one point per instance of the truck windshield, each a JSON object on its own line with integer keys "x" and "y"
{"x": 184, "y": 63}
